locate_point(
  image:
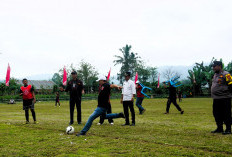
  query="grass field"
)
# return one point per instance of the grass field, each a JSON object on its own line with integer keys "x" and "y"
{"x": 155, "y": 134}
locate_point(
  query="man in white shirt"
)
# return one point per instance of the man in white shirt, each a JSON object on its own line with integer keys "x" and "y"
{"x": 128, "y": 94}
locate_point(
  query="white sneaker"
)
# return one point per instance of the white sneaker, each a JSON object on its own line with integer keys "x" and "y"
{"x": 112, "y": 123}
{"x": 99, "y": 124}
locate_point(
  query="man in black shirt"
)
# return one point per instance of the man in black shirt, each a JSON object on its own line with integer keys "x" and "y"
{"x": 76, "y": 89}
{"x": 172, "y": 98}
{"x": 103, "y": 102}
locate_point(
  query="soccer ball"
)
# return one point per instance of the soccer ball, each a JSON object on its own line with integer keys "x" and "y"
{"x": 70, "y": 130}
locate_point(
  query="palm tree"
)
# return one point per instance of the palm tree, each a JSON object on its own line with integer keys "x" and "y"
{"x": 128, "y": 60}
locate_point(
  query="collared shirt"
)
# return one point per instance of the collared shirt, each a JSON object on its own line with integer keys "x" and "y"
{"x": 128, "y": 90}
{"x": 220, "y": 88}
{"x": 75, "y": 88}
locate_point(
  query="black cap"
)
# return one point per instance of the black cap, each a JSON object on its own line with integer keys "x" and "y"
{"x": 128, "y": 74}
{"x": 74, "y": 73}
{"x": 215, "y": 63}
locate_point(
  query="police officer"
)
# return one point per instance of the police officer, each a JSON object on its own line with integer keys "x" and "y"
{"x": 221, "y": 94}
{"x": 76, "y": 89}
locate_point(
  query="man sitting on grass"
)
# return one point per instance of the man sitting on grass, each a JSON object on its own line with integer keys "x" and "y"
{"x": 103, "y": 102}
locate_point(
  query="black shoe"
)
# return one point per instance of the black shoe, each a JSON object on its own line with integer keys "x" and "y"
{"x": 79, "y": 123}
{"x": 70, "y": 123}
{"x": 217, "y": 131}
{"x": 182, "y": 112}
{"x": 142, "y": 112}
{"x": 126, "y": 124}
{"x": 121, "y": 115}
{"x": 80, "y": 134}
{"x": 166, "y": 113}
{"x": 133, "y": 124}
{"x": 227, "y": 132}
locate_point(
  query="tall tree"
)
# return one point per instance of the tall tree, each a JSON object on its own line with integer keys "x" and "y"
{"x": 128, "y": 61}
{"x": 87, "y": 73}
{"x": 169, "y": 73}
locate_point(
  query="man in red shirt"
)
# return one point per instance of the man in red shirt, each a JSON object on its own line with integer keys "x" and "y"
{"x": 27, "y": 92}
{"x": 139, "y": 99}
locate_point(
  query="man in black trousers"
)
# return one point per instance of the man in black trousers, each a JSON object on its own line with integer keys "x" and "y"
{"x": 172, "y": 98}
{"x": 76, "y": 89}
{"x": 221, "y": 94}
{"x": 127, "y": 99}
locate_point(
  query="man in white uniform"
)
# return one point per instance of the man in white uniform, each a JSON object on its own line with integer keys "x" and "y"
{"x": 128, "y": 94}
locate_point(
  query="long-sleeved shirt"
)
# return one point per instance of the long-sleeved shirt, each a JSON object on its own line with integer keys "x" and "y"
{"x": 220, "y": 88}
{"x": 75, "y": 88}
{"x": 128, "y": 90}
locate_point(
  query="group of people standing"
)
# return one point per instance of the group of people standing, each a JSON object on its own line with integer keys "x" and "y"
{"x": 221, "y": 94}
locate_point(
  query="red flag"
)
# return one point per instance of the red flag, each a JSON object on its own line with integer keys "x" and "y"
{"x": 108, "y": 77}
{"x": 65, "y": 77}
{"x": 8, "y": 75}
{"x": 136, "y": 77}
{"x": 158, "y": 81}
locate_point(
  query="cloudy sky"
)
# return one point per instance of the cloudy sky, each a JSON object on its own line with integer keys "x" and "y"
{"x": 41, "y": 36}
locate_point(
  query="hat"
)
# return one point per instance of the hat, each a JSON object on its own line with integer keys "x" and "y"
{"x": 215, "y": 63}
{"x": 127, "y": 73}
{"x": 74, "y": 73}
{"x": 103, "y": 78}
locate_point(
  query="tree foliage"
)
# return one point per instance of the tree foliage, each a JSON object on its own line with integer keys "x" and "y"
{"x": 128, "y": 61}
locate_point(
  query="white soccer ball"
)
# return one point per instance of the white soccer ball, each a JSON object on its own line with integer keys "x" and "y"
{"x": 70, "y": 130}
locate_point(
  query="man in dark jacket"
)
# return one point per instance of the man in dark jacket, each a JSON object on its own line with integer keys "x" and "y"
{"x": 76, "y": 89}
{"x": 221, "y": 94}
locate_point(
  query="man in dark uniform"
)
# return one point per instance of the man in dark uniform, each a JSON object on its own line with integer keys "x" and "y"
{"x": 76, "y": 89}
{"x": 172, "y": 98}
{"x": 221, "y": 94}
{"x": 103, "y": 102}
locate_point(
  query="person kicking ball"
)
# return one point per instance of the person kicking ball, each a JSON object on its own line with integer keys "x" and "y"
{"x": 103, "y": 102}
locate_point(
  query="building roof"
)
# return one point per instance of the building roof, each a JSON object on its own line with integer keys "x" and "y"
{"x": 39, "y": 84}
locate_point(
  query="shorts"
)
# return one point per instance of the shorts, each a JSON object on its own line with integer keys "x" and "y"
{"x": 28, "y": 104}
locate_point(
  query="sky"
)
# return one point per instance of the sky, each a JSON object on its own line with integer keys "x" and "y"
{"x": 41, "y": 36}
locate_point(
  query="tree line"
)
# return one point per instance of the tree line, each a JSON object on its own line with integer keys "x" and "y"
{"x": 198, "y": 82}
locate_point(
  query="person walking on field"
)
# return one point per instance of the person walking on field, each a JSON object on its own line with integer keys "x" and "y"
{"x": 139, "y": 98}
{"x": 57, "y": 99}
{"x": 221, "y": 94}
{"x": 76, "y": 89}
{"x": 172, "y": 98}
{"x": 103, "y": 102}
{"x": 127, "y": 99}
{"x": 29, "y": 100}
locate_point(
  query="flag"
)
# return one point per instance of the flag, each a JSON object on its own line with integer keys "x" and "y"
{"x": 158, "y": 81}
{"x": 65, "y": 77}
{"x": 136, "y": 77}
{"x": 8, "y": 75}
{"x": 108, "y": 77}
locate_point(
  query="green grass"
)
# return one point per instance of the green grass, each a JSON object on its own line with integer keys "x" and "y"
{"x": 155, "y": 134}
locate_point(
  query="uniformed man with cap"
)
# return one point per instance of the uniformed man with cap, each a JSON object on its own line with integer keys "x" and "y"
{"x": 76, "y": 89}
{"x": 221, "y": 94}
